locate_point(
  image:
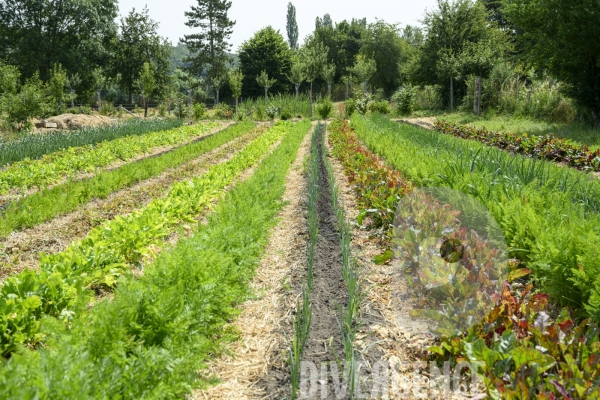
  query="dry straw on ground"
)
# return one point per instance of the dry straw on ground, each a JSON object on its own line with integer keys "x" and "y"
{"x": 262, "y": 320}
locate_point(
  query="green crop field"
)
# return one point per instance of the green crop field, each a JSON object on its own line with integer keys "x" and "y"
{"x": 229, "y": 199}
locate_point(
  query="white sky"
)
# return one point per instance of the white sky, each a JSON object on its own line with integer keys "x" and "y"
{"x": 252, "y": 15}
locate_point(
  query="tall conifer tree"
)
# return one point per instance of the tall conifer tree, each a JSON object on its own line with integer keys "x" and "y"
{"x": 292, "y": 27}
{"x": 209, "y": 46}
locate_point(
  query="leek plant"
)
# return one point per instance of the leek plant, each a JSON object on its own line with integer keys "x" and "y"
{"x": 304, "y": 308}
{"x": 350, "y": 317}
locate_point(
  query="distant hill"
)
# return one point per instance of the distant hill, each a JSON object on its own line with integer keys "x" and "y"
{"x": 181, "y": 52}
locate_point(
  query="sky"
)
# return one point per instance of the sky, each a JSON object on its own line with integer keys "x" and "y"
{"x": 252, "y": 15}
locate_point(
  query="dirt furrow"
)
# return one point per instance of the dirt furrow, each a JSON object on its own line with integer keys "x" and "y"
{"x": 21, "y": 249}
{"x": 329, "y": 297}
{"x": 381, "y": 337}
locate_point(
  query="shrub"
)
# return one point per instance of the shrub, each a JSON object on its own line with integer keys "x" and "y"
{"x": 381, "y": 107}
{"x": 198, "y": 111}
{"x": 21, "y": 107}
{"x": 108, "y": 109}
{"x": 259, "y": 113}
{"x": 285, "y": 114}
{"x": 80, "y": 110}
{"x": 272, "y": 111}
{"x": 350, "y": 107}
{"x": 223, "y": 111}
{"x": 362, "y": 103}
{"x": 325, "y": 108}
{"x": 405, "y": 100}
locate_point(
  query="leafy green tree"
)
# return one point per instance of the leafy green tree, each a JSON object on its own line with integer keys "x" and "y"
{"x": 562, "y": 37}
{"x": 344, "y": 41}
{"x": 209, "y": 47}
{"x": 147, "y": 85}
{"x": 236, "y": 82}
{"x": 329, "y": 77}
{"x": 413, "y": 36}
{"x": 99, "y": 82}
{"x": 138, "y": 43}
{"x": 296, "y": 75}
{"x": 292, "y": 27}
{"x": 9, "y": 78}
{"x": 35, "y": 35}
{"x": 324, "y": 22}
{"x": 264, "y": 81}
{"x": 449, "y": 28}
{"x": 383, "y": 44}
{"x": 347, "y": 80}
{"x": 56, "y": 84}
{"x": 266, "y": 51}
{"x": 364, "y": 69}
{"x": 315, "y": 58}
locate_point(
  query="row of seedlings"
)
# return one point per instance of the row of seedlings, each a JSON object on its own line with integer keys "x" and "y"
{"x": 49, "y": 203}
{"x": 115, "y": 249}
{"x": 348, "y": 314}
{"x": 303, "y": 318}
{"x": 56, "y": 167}
{"x": 35, "y": 146}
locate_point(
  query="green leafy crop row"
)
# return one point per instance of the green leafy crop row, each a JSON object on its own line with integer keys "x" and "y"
{"x": 49, "y": 203}
{"x": 522, "y": 352}
{"x": 151, "y": 339}
{"x": 68, "y": 163}
{"x": 544, "y": 211}
{"x": 35, "y": 146}
{"x": 111, "y": 249}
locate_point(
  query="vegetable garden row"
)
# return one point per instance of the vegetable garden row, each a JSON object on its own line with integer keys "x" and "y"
{"x": 123, "y": 313}
{"x": 527, "y": 347}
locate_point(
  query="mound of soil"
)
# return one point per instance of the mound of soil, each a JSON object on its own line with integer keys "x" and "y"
{"x": 78, "y": 121}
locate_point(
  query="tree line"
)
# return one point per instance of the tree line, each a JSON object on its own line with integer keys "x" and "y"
{"x": 62, "y": 50}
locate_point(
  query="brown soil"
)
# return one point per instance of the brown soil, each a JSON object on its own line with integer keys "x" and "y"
{"x": 264, "y": 321}
{"x": 20, "y": 250}
{"x": 329, "y": 296}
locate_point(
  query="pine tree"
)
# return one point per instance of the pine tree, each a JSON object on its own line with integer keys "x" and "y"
{"x": 210, "y": 45}
{"x": 292, "y": 27}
